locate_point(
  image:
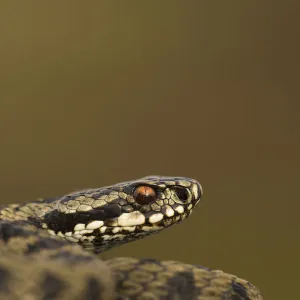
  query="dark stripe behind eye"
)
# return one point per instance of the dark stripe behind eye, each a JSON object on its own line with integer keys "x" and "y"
{"x": 58, "y": 221}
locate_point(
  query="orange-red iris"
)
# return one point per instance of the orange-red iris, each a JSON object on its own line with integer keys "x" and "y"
{"x": 144, "y": 194}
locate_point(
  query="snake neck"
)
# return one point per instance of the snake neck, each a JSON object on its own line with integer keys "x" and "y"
{"x": 31, "y": 212}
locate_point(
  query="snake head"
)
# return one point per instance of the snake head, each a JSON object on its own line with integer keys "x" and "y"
{"x": 99, "y": 219}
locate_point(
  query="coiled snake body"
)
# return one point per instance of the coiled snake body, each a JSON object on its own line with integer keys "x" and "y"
{"x": 49, "y": 248}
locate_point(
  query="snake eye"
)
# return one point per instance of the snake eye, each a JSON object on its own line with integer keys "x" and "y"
{"x": 182, "y": 193}
{"x": 144, "y": 194}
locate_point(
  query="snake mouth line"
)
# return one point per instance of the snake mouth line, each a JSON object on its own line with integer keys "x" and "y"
{"x": 140, "y": 224}
{"x": 99, "y": 236}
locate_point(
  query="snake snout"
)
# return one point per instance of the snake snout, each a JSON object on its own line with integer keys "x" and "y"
{"x": 191, "y": 194}
{"x": 196, "y": 190}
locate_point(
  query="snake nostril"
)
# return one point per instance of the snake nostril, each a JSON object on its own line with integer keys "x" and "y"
{"x": 182, "y": 193}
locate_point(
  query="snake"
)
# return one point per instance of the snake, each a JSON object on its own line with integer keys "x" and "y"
{"x": 50, "y": 248}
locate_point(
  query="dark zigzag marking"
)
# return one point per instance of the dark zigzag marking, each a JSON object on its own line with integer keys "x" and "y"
{"x": 4, "y": 278}
{"x": 183, "y": 284}
{"x": 93, "y": 290}
{"x": 52, "y": 287}
{"x": 240, "y": 291}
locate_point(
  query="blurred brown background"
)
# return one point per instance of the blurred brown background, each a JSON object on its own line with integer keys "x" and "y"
{"x": 96, "y": 93}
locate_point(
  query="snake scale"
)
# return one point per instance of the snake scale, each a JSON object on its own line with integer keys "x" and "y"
{"x": 50, "y": 247}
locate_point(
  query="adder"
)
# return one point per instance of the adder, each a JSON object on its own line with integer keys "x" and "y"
{"x": 49, "y": 248}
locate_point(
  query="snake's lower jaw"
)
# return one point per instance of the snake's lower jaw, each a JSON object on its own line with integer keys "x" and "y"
{"x": 133, "y": 233}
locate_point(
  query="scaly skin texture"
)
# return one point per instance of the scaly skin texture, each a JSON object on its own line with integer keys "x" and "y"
{"x": 49, "y": 248}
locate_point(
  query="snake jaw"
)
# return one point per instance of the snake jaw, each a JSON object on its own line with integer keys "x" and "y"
{"x": 99, "y": 219}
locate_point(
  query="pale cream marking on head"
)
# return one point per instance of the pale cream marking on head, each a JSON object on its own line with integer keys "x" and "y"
{"x": 152, "y": 228}
{"x": 102, "y": 229}
{"x": 195, "y": 191}
{"x": 179, "y": 209}
{"x": 168, "y": 211}
{"x": 79, "y": 226}
{"x": 94, "y": 225}
{"x": 129, "y": 228}
{"x": 116, "y": 229}
{"x": 106, "y": 237}
{"x": 131, "y": 219}
{"x": 156, "y": 218}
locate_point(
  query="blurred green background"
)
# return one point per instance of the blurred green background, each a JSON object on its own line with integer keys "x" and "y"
{"x": 93, "y": 93}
